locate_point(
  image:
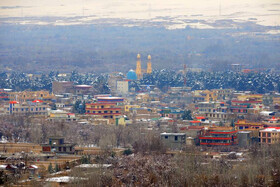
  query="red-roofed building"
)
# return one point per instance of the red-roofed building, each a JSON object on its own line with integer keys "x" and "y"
{"x": 37, "y": 101}
{"x": 4, "y": 95}
{"x": 107, "y": 107}
{"x": 272, "y": 122}
{"x": 200, "y": 117}
{"x": 196, "y": 123}
{"x": 218, "y": 136}
{"x": 247, "y": 125}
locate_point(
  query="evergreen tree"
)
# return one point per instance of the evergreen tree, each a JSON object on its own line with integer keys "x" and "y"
{"x": 232, "y": 123}
{"x": 76, "y": 108}
{"x": 83, "y": 109}
{"x": 50, "y": 168}
{"x": 57, "y": 168}
{"x": 187, "y": 115}
{"x": 53, "y": 107}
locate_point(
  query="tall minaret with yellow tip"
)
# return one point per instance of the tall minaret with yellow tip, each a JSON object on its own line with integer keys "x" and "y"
{"x": 149, "y": 65}
{"x": 138, "y": 67}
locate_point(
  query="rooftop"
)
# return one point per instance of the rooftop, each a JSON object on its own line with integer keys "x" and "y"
{"x": 271, "y": 129}
{"x": 173, "y": 134}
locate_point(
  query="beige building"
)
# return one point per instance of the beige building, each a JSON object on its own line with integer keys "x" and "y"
{"x": 30, "y": 96}
{"x": 112, "y": 81}
{"x": 270, "y": 135}
{"x": 122, "y": 87}
{"x": 36, "y": 107}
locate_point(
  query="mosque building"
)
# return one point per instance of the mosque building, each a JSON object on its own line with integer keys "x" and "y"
{"x": 139, "y": 71}
{"x": 131, "y": 75}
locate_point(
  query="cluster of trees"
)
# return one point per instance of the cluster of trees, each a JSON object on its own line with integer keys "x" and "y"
{"x": 256, "y": 82}
{"x": 26, "y": 129}
{"x": 55, "y": 169}
{"x": 189, "y": 168}
{"x": 149, "y": 165}
{"x": 21, "y": 81}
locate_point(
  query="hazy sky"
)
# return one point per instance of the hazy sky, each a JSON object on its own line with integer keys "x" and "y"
{"x": 264, "y": 12}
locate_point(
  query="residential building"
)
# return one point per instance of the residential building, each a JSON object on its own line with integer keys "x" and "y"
{"x": 173, "y": 140}
{"x": 112, "y": 81}
{"x": 106, "y": 110}
{"x": 57, "y": 145}
{"x": 36, "y": 107}
{"x": 171, "y": 112}
{"x": 122, "y": 87}
{"x": 210, "y": 107}
{"x": 4, "y": 96}
{"x": 270, "y": 135}
{"x": 242, "y": 107}
{"x": 244, "y": 138}
{"x": 236, "y": 67}
{"x": 82, "y": 89}
{"x": 204, "y": 96}
{"x": 59, "y": 87}
{"x": 248, "y": 125}
{"x": 59, "y": 115}
{"x": 250, "y": 97}
{"x": 223, "y": 94}
{"x": 128, "y": 107}
{"x": 272, "y": 122}
{"x": 30, "y": 96}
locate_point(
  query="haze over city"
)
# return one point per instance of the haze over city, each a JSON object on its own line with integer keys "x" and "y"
{"x": 140, "y": 93}
{"x": 172, "y": 14}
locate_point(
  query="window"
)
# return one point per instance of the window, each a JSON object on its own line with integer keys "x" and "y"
{"x": 64, "y": 149}
{"x": 269, "y": 140}
{"x": 269, "y": 134}
{"x": 102, "y": 106}
{"x": 59, "y": 149}
{"x": 166, "y": 137}
{"x": 176, "y": 138}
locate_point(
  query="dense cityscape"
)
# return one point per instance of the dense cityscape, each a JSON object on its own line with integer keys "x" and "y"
{"x": 140, "y": 93}
{"x": 141, "y": 127}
